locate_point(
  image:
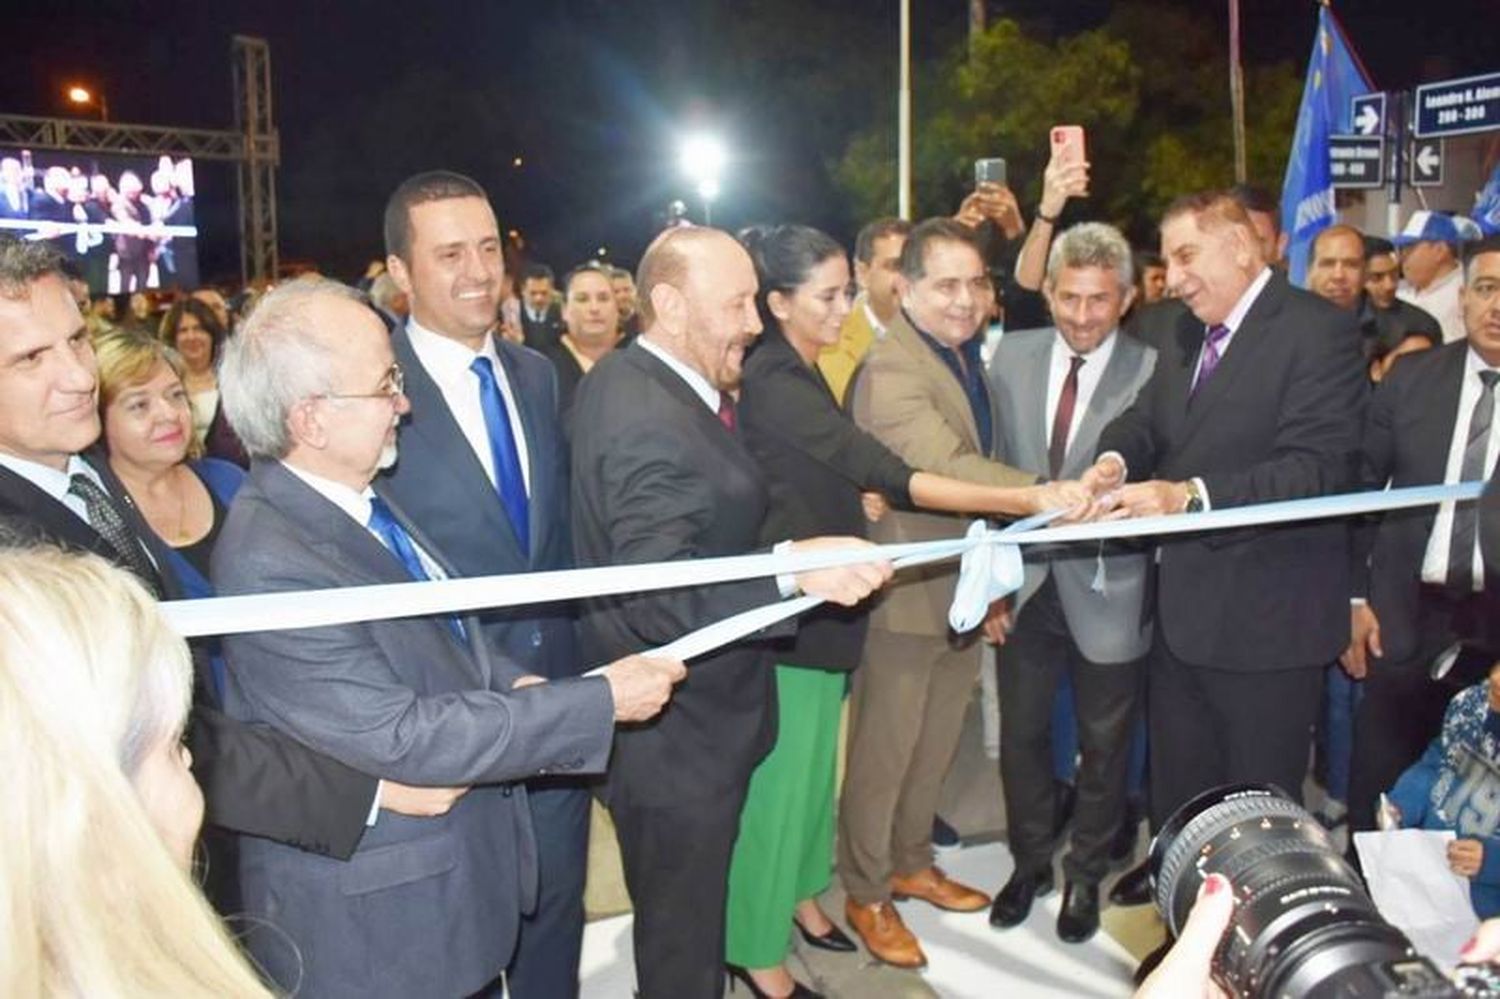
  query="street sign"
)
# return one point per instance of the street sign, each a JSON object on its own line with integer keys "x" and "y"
{"x": 1458, "y": 107}
{"x": 1367, "y": 112}
{"x": 1427, "y": 163}
{"x": 1357, "y": 160}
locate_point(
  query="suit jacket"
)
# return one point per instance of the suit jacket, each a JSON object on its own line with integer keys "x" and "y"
{"x": 908, "y": 399}
{"x": 839, "y": 361}
{"x": 1106, "y": 622}
{"x": 816, "y": 463}
{"x": 1278, "y": 420}
{"x": 440, "y": 483}
{"x": 426, "y": 906}
{"x": 254, "y": 780}
{"x": 1407, "y": 435}
{"x": 542, "y": 335}
{"x": 657, "y": 477}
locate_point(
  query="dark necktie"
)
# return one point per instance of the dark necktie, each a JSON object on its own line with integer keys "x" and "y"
{"x": 726, "y": 411}
{"x": 105, "y": 518}
{"x": 1062, "y": 419}
{"x": 1212, "y": 355}
{"x": 509, "y": 481}
{"x": 1466, "y": 515}
{"x": 391, "y": 534}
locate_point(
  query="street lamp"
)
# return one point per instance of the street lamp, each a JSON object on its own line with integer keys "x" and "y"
{"x": 85, "y": 97}
{"x": 702, "y": 159}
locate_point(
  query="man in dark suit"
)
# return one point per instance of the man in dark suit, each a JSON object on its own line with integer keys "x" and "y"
{"x": 427, "y": 905}
{"x": 659, "y": 473}
{"x": 1256, "y": 397}
{"x": 494, "y": 512}
{"x": 1419, "y": 577}
{"x": 55, "y": 487}
{"x": 541, "y": 316}
{"x": 1079, "y": 613}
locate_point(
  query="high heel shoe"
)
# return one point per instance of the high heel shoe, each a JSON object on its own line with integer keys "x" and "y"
{"x": 835, "y": 939}
{"x": 738, "y": 974}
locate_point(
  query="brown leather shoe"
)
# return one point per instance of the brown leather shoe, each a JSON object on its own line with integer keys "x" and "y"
{"x": 932, "y": 885}
{"x": 885, "y": 936}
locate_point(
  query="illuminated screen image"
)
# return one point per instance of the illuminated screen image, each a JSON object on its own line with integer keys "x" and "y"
{"x": 125, "y": 221}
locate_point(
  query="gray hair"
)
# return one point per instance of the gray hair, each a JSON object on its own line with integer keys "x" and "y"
{"x": 275, "y": 360}
{"x": 383, "y": 290}
{"x": 1091, "y": 244}
{"x": 23, "y": 261}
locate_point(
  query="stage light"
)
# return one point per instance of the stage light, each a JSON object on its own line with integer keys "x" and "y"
{"x": 518, "y": 162}
{"x": 702, "y": 158}
{"x": 83, "y": 96}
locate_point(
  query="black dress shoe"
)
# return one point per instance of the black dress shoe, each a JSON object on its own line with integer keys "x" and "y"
{"x": 1079, "y": 917}
{"x": 1134, "y": 886}
{"x": 1013, "y": 903}
{"x": 835, "y": 939}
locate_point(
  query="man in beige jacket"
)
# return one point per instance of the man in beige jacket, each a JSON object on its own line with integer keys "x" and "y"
{"x": 922, "y": 392}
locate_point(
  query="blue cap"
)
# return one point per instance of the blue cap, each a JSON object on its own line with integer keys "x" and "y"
{"x": 1436, "y": 227}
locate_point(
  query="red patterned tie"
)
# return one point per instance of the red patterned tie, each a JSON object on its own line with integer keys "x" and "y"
{"x": 726, "y": 411}
{"x": 1062, "y": 420}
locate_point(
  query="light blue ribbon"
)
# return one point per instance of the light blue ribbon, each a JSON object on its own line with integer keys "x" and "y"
{"x": 990, "y": 569}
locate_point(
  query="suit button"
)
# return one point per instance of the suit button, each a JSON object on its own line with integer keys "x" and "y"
{"x": 536, "y": 638}
{"x": 506, "y": 790}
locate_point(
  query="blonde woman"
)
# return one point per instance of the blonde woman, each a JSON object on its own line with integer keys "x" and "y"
{"x": 101, "y": 811}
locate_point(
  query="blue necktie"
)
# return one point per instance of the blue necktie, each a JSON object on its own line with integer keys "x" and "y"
{"x": 399, "y": 543}
{"x": 508, "y": 478}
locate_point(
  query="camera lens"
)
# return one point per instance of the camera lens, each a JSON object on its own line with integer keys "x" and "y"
{"x": 1303, "y": 924}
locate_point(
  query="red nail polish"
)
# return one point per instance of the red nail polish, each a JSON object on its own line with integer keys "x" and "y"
{"x": 1467, "y": 948}
{"x": 1215, "y": 884}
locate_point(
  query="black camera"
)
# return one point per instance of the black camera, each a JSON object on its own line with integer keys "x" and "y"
{"x": 1303, "y": 924}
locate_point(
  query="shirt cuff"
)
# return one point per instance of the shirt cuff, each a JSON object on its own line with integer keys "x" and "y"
{"x": 1203, "y": 493}
{"x": 1359, "y": 601}
{"x": 786, "y": 582}
{"x": 374, "y": 805}
{"x": 1125, "y": 473}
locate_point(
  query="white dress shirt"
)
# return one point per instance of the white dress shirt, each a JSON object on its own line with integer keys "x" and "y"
{"x": 1088, "y": 380}
{"x": 1235, "y": 318}
{"x": 55, "y": 484}
{"x": 1435, "y": 561}
{"x": 1441, "y": 299}
{"x": 448, "y": 363}
{"x": 701, "y": 386}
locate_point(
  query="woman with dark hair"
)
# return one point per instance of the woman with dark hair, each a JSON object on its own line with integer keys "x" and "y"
{"x": 192, "y": 328}
{"x": 817, "y": 464}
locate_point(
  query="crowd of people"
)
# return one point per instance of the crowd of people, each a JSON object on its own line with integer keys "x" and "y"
{"x": 401, "y": 806}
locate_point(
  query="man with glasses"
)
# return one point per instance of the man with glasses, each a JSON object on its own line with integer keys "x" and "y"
{"x": 427, "y": 905}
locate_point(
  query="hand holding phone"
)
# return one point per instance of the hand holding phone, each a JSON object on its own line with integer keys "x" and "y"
{"x": 1067, "y": 144}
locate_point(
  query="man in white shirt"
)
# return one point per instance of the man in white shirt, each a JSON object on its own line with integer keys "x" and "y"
{"x": 1430, "y": 249}
{"x": 427, "y": 905}
{"x": 1419, "y": 578}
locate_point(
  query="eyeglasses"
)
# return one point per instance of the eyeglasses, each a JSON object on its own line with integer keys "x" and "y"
{"x": 391, "y": 388}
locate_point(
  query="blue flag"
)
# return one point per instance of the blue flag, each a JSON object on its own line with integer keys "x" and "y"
{"x": 1487, "y": 205}
{"x": 1334, "y": 76}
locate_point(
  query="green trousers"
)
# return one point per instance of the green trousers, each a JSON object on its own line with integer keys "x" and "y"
{"x": 784, "y": 853}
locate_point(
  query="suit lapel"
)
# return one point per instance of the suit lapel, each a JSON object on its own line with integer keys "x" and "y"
{"x": 531, "y": 417}
{"x": 1105, "y": 403}
{"x": 21, "y": 499}
{"x": 1031, "y": 402}
{"x": 1438, "y": 423}
{"x": 951, "y": 400}
{"x": 445, "y": 446}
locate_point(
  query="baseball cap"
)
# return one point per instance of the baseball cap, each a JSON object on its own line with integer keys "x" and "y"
{"x": 1436, "y": 227}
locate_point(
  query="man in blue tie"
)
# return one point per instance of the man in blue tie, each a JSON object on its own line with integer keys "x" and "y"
{"x": 483, "y": 473}
{"x": 427, "y": 905}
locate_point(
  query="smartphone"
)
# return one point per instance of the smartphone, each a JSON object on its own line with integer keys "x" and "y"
{"x": 989, "y": 171}
{"x": 1067, "y": 144}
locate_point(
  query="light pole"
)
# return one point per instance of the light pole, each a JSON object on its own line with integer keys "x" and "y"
{"x": 702, "y": 158}
{"x": 84, "y": 97}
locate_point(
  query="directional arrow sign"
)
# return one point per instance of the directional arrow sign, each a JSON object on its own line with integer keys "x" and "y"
{"x": 1357, "y": 160}
{"x": 1456, "y": 107}
{"x": 1427, "y": 163}
{"x": 1368, "y": 113}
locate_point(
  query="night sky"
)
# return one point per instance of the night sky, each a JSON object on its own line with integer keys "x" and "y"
{"x": 591, "y": 94}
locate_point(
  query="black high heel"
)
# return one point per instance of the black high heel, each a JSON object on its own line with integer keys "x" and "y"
{"x": 835, "y": 939}
{"x": 739, "y": 974}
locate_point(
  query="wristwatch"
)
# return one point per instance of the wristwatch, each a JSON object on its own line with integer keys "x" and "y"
{"x": 1194, "y": 497}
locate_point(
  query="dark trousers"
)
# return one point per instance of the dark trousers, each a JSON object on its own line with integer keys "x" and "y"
{"x": 676, "y": 860}
{"x": 1039, "y": 654}
{"x": 1402, "y": 708}
{"x": 1210, "y": 727}
{"x": 545, "y": 964}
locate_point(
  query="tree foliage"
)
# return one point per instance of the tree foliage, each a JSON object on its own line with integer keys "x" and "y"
{"x": 1149, "y": 86}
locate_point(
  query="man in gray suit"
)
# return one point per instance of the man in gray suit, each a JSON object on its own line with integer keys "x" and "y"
{"x": 426, "y": 905}
{"x": 1080, "y": 608}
